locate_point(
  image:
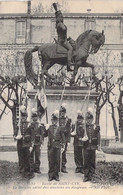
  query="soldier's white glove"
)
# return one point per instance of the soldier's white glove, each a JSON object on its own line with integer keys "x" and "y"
{"x": 30, "y": 149}
{"x": 47, "y": 126}
{"x": 18, "y": 137}
{"x": 98, "y": 148}
{"x": 85, "y": 138}
{"x": 62, "y": 149}
{"x": 73, "y": 133}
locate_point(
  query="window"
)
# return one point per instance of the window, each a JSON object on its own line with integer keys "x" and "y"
{"x": 20, "y": 31}
{"x": 53, "y": 30}
{"x": 90, "y": 24}
{"x": 121, "y": 57}
{"x": 121, "y": 28}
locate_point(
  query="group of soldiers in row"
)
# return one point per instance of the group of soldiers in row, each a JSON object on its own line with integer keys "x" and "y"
{"x": 59, "y": 133}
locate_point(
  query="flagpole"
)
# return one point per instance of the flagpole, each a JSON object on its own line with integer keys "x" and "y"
{"x": 41, "y": 75}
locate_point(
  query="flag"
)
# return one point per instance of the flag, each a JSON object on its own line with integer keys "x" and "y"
{"x": 41, "y": 102}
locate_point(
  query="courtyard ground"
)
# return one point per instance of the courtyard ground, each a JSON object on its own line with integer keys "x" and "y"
{"x": 108, "y": 175}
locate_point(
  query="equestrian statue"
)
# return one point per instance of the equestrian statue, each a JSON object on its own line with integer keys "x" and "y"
{"x": 65, "y": 51}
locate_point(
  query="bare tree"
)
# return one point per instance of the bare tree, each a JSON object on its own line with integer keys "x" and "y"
{"x": 38, "y": 9}
{"x": 12, "y": 84}
{"x": 11, "y": 91}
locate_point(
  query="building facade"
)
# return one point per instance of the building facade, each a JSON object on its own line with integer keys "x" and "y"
{"x": 20, "y": 32}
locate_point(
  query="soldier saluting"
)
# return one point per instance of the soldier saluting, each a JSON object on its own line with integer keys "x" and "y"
{"x": 62, "y": 35}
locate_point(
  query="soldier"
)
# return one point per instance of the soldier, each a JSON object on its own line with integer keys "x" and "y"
{"x": 65, "y": 122}
{"x": 23, "y": 137}
{"x": 56, "y": 141}
{"x": 37, "y": 137}
{"x": 62, "y": 35}
{"x": 90, "y": 147}
{"x": 78, "y": 134}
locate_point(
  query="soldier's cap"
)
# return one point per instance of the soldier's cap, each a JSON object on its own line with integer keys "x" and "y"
{"x": 22, "y": 108}
{"x": 54, "y": 117}
{"x": 63, "y": 108}
{"x": 34, "y": 114}
{"x": 89, "y": 115}
{"x": 79, "y": 115}
{"x": 24, "y": 114}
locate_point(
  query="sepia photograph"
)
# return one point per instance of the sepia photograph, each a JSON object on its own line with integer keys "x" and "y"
{"x": 61, "y": 97}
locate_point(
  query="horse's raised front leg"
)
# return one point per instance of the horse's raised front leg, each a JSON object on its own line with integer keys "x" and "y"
{"x": 51, "y": 79}
{"x": 45, "y": 68}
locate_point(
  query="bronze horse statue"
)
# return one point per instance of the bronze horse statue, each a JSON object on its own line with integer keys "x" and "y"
{"x": 51, "y": 53}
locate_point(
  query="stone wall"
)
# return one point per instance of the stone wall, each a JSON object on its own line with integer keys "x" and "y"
{"x": 75, "y": 99}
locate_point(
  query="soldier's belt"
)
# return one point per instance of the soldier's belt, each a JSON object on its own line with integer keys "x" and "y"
{"x": 89, "y": 142}
{"x": 55, "y": 140}
{"x": 27, "y": 138}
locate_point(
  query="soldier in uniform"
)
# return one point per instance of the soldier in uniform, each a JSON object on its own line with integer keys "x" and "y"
{"x": 23, "y": 137}
{"x": 78, "y": 134}
{"x": 37, "y": 137}
{"x": 56, "y": 141}
{"x": 90, "y": 147}
{"x": 62, "y": 35}
{"x": 65, "y": 122}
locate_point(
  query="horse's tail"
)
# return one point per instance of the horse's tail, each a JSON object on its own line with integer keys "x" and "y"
{"x": 30, "y": 74}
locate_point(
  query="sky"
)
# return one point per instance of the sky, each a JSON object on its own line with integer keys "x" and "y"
{"x": 75, "y": 6}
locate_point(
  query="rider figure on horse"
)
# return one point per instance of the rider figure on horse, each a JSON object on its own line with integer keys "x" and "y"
{"x": 62, "y": 35}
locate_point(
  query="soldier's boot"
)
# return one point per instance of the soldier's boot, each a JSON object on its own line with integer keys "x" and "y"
{"x": 64, "y": 170}
{"x": 38, "y": 171}
{"x": 50, "y": 179}
{"x": 86, "y": 179}
{"x": 57, "y": 178}
{"x": 31, "y": 175}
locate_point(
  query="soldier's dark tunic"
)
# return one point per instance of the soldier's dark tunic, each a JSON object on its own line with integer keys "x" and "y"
{"x": 37, "y": 137}
{"x": 65, "y": 123}
{"x": 23, "y": 146}
{"x": 78, "y": 146}
{"x": 55, "y": 141}
{"x": 90, "y": 147}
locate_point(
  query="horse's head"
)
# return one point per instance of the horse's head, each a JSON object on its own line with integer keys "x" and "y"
{"x": 97, "y": 40}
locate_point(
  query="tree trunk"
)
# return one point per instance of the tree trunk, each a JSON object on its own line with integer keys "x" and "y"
{"x": 97, "y": 119}
{"x": 114, "y": 122}
{"x": 14, "y": 118}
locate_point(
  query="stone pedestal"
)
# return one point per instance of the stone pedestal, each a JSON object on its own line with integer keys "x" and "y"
{"x": 75, "y": 99}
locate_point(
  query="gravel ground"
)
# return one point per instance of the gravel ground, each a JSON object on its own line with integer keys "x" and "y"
{"x": 108, "y": 176}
